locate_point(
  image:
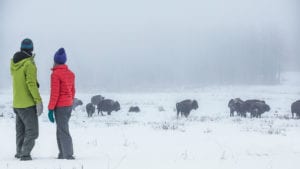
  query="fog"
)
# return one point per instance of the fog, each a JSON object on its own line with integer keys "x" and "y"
{"x": 138, "y": 44}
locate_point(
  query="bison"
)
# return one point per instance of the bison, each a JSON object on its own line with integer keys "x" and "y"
{"x": 237, "y": 105}
{"x": 90, "y": 109}
{"x": 76, "y": 102}
{"x": 161, "y": 108}
{"x": 134, "y": 109}
{"x": 295, "y": 108}
{"x": 256, "y": 107}
{"x": 95, "y": 100}
{"x": 108, "y": 106}
{"x": 184, "y": 107}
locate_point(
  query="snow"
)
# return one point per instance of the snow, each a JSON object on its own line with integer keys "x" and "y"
{"x": 154, "y": 139}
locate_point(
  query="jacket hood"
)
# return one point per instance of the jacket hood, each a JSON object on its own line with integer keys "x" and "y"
{"x": 23, "y": 54}
{"x": 20, "y": 64}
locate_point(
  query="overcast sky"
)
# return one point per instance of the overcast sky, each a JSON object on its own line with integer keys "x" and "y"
{"x": 122, "y": 44}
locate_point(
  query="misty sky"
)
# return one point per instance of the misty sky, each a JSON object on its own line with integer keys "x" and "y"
{"x": 123, "y": 44}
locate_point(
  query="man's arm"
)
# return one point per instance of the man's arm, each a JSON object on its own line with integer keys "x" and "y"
{"x": 31, "y": 81}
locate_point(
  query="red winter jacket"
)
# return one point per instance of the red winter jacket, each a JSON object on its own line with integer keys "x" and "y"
{"x": 62, "y": 87}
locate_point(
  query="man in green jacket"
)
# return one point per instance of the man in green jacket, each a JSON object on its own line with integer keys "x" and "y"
{"x": 27, "y": 102}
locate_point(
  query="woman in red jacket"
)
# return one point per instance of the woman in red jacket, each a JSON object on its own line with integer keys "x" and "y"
{"x": 61, "y": 101}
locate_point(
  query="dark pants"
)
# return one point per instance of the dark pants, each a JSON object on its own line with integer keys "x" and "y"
{"x": 27, "y": 130}
{"x": 64, "y": 139}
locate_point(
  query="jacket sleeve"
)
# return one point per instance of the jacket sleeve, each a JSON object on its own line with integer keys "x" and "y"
{"x": 55, "y": 88}
{"x": 73, "y": 89}
{"x": 31, "y": 82}
{"x": 11, "y": 65}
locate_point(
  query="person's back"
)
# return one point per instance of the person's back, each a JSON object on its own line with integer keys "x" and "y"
{"x": 25, "y": 89}
{"x": 27, "y": 102}
{"x": 61, "y": 101}
{"x": 62, "y": 84}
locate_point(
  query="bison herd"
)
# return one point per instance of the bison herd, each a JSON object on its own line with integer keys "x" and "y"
{"x": 254, "y": 107}
{"x": 102, "y": 105}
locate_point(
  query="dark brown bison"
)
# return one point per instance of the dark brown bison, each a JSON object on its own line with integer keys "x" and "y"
{"x": 90, "y": 109}
{"x": 237, "y": 105}
{"x": 108, "y": 106}
{"x": 185, "y": 107}
{"x": 295, "y": 108}
{"x": 76, "y": 102}
{"x": 256, "y": 107}
{"x": 134, "y": 109}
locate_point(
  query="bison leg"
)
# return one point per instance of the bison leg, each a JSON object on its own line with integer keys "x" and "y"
{"x": 293, "y": 114}
{"x": 256, "y": 113}
{"x": 186, "y": 114}
{"x": 100, "y": 112}
{"x": 109, "y": 113}
{"x": 260, "y": 113}
{"x": 242, "y": 114}
{"x": 180, "y": 113}
{"x": 231, "y": 113}
{"x": 252, "y": 114}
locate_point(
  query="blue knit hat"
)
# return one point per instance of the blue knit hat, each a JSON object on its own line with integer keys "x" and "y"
{"x": 27, "y": 44}
{"x": 60, "y": 56}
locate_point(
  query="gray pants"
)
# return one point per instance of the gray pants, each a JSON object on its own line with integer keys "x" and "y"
{"x": 27, "y": 130}
{"x": 64, "y": 139}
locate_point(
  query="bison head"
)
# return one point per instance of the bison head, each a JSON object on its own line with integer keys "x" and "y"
{"x": 80, "y": 102}
{"x": 117, "y": 106}
{"x": 231, "y": 103}
{"x": 267, "y": 108}
{"x": 195, "y": 105}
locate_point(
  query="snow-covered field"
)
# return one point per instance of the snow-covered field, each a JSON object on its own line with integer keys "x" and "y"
{"x": 151, "y": 139}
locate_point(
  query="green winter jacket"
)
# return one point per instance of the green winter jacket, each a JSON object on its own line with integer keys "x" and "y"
{"x": 25, "y": 89}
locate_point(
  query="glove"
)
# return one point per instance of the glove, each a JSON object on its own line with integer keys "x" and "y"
{"x": 50, "y": 116}
{"x": 39, "y": 108}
